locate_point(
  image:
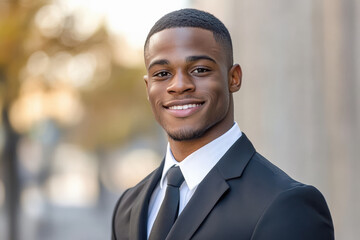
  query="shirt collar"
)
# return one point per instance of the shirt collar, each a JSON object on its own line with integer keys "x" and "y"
{"x": 198, "y": 164}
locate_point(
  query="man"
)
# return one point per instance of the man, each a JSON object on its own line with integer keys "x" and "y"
{"x": 224, "y": 189}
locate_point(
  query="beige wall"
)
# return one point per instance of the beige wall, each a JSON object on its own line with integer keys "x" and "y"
{"x": 299, "y": 101}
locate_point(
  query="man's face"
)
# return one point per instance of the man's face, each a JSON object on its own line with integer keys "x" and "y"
{"x": 189, "y": 83}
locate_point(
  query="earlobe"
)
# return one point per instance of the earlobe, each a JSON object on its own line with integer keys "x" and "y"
{"x": 235, "y": 76}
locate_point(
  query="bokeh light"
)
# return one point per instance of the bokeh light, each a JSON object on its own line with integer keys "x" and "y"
{"x": 50, "y": 21}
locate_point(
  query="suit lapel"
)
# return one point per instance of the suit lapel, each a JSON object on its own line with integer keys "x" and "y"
{"x": 199, "y": 206}
{"x": 210, "y": 190}
{"x": 139, "y": 213}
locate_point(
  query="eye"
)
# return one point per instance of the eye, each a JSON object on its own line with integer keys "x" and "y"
{"x": 200, "y": 70}
{"x": 162, "y": 74}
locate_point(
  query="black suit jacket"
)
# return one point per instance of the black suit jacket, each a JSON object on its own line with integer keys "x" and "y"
{"x": 243, "y": 197}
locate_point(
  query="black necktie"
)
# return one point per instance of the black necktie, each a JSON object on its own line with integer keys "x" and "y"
{"x": 170, "y": 206}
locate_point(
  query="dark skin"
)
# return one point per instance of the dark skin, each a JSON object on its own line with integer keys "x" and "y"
{"x": 190, "y": 82}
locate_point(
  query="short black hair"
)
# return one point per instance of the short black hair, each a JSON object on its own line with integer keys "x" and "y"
{"x": 189, "y": 17}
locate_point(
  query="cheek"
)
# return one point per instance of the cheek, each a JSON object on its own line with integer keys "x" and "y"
{"x": 220, "y": 101}
{"x": 217, "y": 92}
{"x": 154, "y": 93}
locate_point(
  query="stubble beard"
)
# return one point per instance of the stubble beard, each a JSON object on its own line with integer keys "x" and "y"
{"x": 186, "y": 135}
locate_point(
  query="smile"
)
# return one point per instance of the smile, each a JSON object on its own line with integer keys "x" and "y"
{"x": 184, "y": 110}
{"x": 184, "y": 107}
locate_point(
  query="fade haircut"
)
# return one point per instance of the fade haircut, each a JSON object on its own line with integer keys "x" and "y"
{"x": 189, "y": 17}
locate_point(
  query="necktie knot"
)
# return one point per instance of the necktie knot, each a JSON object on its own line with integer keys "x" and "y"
{"x": 175, "y": 177}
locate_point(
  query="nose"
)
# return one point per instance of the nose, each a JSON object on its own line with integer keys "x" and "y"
{"x": 181, "y": 83}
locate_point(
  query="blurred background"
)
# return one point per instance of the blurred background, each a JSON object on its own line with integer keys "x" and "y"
{"x": 76, "y": 128}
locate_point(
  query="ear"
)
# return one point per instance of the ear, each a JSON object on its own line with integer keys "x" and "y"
{"x": 235, "y": 75}
{"x": 147, "y": 85}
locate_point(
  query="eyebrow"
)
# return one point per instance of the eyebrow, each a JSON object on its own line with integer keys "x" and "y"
{"x": 159, "y": 62}
{"x": 200, "y": 57}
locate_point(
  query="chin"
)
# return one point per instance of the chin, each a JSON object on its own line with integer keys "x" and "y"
{"x": 186, "y": 134}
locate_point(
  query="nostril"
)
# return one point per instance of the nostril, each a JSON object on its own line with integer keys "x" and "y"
{"x": 180, "y": 84}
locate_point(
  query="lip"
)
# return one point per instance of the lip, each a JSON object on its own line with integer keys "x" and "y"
{"x": 182, "y": 102}
{"x": 183, "y": 108}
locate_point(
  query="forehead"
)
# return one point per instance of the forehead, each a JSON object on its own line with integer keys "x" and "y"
{"x": 183, "y": 42}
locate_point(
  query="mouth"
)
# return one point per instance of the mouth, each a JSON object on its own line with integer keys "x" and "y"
{"x": 184, "y": 108}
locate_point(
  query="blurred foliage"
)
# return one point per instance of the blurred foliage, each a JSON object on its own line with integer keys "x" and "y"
{"x": 15, "y": 23}
{"x": 114, "y": 102}
{"x": 115, "y": 111}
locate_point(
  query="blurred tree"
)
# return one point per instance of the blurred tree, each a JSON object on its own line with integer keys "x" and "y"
{"x": 14, "y": 28}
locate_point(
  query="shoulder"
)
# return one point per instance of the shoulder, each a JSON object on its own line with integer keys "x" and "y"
{"x": 294, "y": 210}
{"x": 297, "y": 213}
{"x": 263, "y": 174}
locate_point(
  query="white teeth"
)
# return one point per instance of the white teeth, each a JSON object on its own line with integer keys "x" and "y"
{"x": 184, "y": 107}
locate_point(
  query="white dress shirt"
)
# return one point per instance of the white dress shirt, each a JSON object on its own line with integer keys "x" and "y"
{"x": 194, "y": 168}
